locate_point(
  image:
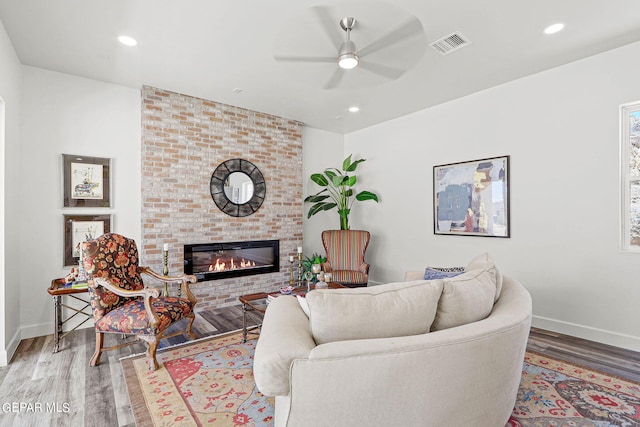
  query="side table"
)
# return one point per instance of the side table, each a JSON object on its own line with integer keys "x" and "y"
{"x": 258, "y": 303}
{"x": 57, "y": 290}
{"x": 252, "y": 302}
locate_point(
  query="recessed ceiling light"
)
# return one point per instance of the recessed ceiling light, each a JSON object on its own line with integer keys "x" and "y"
{"x": 127, "y": 41}
{"x": 354, "y": 109}
{"x": 552, "y": 29}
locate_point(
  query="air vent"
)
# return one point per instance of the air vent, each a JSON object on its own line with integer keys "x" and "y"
{"x": 449, "y": 43}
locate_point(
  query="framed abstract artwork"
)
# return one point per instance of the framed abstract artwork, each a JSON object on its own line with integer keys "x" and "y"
{"x": 472, "y": 198}
{"x": 80, "y": 228}
{"x": 86, "y": 181}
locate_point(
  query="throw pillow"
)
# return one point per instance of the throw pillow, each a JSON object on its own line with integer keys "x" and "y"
{"x": 432, "y": 273}
{"x": 484, "y": 261}
{"x": 391, "y": 310}
{"x": 465, "y": 298}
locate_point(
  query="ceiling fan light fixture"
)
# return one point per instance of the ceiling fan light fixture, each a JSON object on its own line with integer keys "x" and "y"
{"x": 347, "y": 57}
{"x": 348, "y": 61}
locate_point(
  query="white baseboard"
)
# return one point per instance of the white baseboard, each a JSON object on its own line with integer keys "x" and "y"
{"x": 616, "y": 339}
{"x": 31, "y": 331}
{"x": 38, "y": 330}
{"x": 629, "y": 342}
{"x": 7, "y": 354}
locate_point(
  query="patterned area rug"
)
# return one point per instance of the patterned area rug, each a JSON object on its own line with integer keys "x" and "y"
{"x": 204, "y": 383}
{"x": 557, "y": 394}
{"x": 210, "y": 383}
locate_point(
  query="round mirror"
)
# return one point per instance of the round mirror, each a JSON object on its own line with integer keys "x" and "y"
{"x": 237, "y": 187}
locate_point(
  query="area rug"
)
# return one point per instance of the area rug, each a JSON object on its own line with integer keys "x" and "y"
{"x": 210, "y": 383}
{"x": 558, "y": 394}
{"x": 204, "y": 383}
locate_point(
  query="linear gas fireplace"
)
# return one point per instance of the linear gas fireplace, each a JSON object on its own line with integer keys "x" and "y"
{"x": 211, "y": 261}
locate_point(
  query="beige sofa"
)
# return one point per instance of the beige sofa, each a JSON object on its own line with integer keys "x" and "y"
{"x": 365, "y": 358}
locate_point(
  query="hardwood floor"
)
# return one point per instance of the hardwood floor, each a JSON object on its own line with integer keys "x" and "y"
{"x": 73, "y": 394}
{"x": 64, "y": 391}
{"x": 611, "y": 360}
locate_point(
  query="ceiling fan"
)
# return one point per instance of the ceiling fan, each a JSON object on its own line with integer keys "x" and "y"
{"x": 350, "y": 59}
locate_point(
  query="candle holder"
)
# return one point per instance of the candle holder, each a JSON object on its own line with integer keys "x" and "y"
{"x": 165, "y": 269}
{"x": 291, "y": 281}
{"x": 299, "y": 269}
{"x": 165, "y": 262}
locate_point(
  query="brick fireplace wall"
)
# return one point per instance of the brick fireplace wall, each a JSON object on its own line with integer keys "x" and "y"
{"x": 183, "y": 140}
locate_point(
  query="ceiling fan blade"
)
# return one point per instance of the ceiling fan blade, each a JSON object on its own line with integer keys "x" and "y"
{"x": 409, "y": 28}
{"x": 383, "y": 70}
{"x": 328, "y": 24}
{"x": 285, "y": 58}
{"x": 335, "y": 79}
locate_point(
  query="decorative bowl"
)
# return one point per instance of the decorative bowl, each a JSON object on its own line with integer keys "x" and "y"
{"x": 286, "y": 290}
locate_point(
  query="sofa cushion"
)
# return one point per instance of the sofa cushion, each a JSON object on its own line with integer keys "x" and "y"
{"x": 466, "y": 298}
{"x": 484, "y": 261}
{"x": 390, "y": 310}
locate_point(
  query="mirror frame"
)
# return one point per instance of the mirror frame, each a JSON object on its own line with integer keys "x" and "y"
{"x": 216, "y": 187}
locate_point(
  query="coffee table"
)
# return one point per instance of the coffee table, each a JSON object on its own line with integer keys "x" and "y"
{"x": 258, "y": 303}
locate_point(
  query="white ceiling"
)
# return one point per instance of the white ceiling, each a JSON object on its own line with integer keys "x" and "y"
{"x": 208, "y": 48}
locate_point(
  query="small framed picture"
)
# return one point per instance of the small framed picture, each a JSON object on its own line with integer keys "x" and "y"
{"x": 472, "y": 198}
{"x": 80, "y": 228}
{"x": 86, "y": 181}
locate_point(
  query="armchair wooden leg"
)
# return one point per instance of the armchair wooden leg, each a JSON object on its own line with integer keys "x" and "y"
{"x": 152, "y": 348}
{"x": 95, "y": 359}
{"x": 190, "y": 333}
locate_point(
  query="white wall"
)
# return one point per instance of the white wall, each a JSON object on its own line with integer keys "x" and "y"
{"x": 561, "y": 129}
{"x": 320, "y": 150}
{"x": 71, "y": 115}
{"x": 10, "y": 94}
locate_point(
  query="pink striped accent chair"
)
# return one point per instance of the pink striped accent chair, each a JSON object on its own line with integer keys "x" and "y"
{"x": 345, "y": 256}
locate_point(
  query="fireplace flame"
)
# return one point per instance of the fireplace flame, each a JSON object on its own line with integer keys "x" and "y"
{"x": 233, "y": 265}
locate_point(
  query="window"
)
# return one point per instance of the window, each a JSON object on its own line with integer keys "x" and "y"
{"x": 630, "y": 171}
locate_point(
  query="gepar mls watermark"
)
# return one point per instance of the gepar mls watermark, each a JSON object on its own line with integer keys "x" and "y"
{"x": 35, "y": 407}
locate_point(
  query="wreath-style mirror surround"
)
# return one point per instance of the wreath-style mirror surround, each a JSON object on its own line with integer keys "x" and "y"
{"x": 221, "y": 181}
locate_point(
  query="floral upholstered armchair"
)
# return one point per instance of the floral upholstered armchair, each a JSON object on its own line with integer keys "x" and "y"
{"x": 123, "y": 305}
{"x": 345, "y": 256}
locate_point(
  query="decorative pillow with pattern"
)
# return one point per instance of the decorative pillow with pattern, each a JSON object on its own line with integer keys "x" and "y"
{"x": 432, "y": 273}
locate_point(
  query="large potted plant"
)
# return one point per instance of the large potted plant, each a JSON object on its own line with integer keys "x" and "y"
{"x": 337, "y": 191}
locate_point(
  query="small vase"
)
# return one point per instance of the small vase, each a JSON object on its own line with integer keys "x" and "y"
{"x": 316, "y": 268}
